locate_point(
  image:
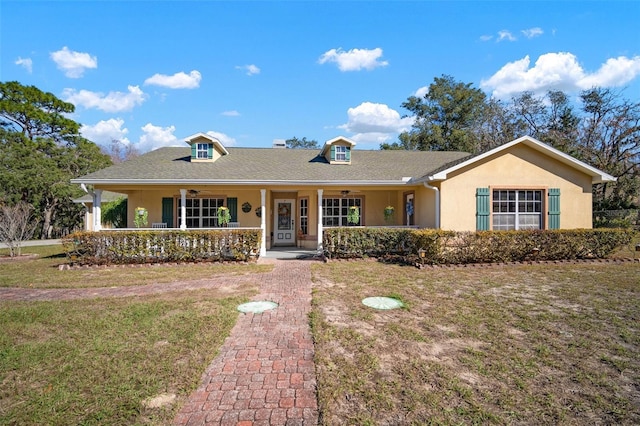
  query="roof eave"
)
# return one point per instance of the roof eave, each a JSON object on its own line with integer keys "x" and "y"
{"x": 234, "y": 182}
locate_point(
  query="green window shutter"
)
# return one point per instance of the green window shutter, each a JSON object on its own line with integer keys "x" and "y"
{"x": 348, "y": 153}
{"x": 482, "y": 209}
{"x": 167, "y": 211}
{"x": 554, "y": 208}
{"x": 194, "y": 148}
{"x": 210, "y": 151}
{"x": 333, "y": 153}
{"x": 232, "y": 205}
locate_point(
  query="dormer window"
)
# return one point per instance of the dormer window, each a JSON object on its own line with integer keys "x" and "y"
{"x": 202, "y": 151}
{"x": 338, "y": 150}
{"x": 205, "y": 148}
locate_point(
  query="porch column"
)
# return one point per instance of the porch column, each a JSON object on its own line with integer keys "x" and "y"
{"x": 183, "y": 209}
{"x": 320, "y": 191}
{"x": 263, "y": 222}
{"x": 97, "y": 209}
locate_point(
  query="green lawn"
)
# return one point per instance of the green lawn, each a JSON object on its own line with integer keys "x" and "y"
{"x": 96, "y": 362}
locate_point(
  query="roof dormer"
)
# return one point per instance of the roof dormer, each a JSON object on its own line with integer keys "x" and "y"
{"x": 338, "y": 150}
{"x": 205, "y": 148}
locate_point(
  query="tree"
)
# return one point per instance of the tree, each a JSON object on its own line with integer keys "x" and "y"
{"x": 445, "y": 117}
{"x": 610, "y": 141}
{"x": 303, "y": 143}
{"x": 119, "y": 151}
{"x": 40, "y": 152}
{"x": 16, "y": 226}
{"x": 550, "y": 119}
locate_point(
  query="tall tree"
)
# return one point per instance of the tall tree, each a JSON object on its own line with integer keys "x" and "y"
{"x": 444, "y": 117}
{"x": 40, "y": 152}
{"x": 610, "y": 141}
{"x": 303, "y": 143}
{"x": 120, "y": 151}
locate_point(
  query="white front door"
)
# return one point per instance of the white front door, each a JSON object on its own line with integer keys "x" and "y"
{"x": 284, "y": 230}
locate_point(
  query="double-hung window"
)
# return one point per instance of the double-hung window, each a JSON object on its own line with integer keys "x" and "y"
{"x": 517, "y": 209}
{"x": 202, "y": 151}
{"x": 341, "y": 153}
{"x": 201, "y": 212}
{"x": 335, "y": 211}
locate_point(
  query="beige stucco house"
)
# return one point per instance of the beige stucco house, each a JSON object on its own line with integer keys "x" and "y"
{"x": 293, "y": 194}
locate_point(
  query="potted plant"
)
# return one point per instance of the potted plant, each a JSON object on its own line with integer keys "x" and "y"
{"x": 353, "y": 215}
{"x": 224, "y": 216}
{"x": 388, "y": 213}
{"x": 141, "y": 218}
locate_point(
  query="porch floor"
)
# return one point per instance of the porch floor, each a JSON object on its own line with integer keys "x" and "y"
{"x": 292, "y": 253}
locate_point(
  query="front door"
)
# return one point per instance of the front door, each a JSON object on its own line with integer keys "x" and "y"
{"x": 284, "y": 227}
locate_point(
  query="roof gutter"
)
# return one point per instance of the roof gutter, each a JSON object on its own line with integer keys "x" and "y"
{"x": 437, "y": 203}
{"x": 230, "y": 182}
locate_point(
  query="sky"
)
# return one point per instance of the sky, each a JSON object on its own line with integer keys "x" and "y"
{"x": 152, "y": 73}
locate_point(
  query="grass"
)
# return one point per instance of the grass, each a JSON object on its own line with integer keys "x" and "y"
{"x": 42, "y": 271}
{"x": 544, "y": 344}
{"x": 97, "y": 361}
{"x": 550, "y": 344}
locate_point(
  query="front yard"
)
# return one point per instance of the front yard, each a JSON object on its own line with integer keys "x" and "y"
{"x": 545, "y": 344}
{"x": 537, "y": 344}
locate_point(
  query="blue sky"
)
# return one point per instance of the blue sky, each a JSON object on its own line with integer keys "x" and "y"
{"x": 152, "y": 73}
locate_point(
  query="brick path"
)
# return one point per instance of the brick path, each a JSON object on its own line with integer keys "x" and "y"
{"x": 264, "y": 373}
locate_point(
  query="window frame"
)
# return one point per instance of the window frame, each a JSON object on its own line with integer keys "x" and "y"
{"x": 202, "y": 150}
{"x": 303, "y": 215}
{"x": 342, "y": 209}
{"x": 341, "y": 153}
{"x": 518, "y": 212}
{"x": 211, "y": 212}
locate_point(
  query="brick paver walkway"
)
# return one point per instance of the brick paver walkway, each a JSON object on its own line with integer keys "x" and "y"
{"x": 264, "y": 373}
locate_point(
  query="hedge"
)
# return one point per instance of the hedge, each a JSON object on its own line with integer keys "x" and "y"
{"x": 159, "y": 246}
{"x": 448, "y": 247}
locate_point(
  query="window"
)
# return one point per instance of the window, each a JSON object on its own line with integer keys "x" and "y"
{"x": 335, "y": 210}
{"x": 202, "y": 151}
{"x": 341, "y": 153}
{"x": 517, "y": 209}
{"x": 304, "y": 215}
{"x": 201, "y": 212}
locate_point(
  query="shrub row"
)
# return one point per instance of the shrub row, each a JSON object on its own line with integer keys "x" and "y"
{"x": 158, "y": 246}
{"x": 449, "y": 247}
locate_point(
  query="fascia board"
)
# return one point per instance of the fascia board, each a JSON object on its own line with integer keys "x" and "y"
{"x": 239, "y": 182}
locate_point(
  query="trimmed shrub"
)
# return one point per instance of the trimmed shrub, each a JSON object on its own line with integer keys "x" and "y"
{"x": 449, "y": 247}
{"x": 156, "y": 246}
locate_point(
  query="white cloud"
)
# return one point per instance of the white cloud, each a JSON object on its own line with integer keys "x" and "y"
{"x": 225, "y": 139}
{"x": 112, "y": 102}
{"x": 105, "y": 131}
{"x": 251, "y": 69}
{"x": 421, "y": 92}
{"x": 26, "y": 63}
{"x": 505, "y": 35}
{"x": 232, "y": 113}
{"x": 354, "y": 59}
{"x": 372, "y": 122}
{"x": 615, "y": 72}
{"x": 532, "y": 32}
{"x": 155, "y": 137}
{"x": 559, "y": 71}
{"x": 179, "y": 80}
{"x": 485, "y": 37}
{"x": 73, "y": 63}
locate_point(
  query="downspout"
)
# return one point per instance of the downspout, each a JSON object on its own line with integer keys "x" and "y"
{"x": 437, "y": 204}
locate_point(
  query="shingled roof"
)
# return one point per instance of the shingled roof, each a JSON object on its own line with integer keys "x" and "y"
{"x": 274, "y": 166}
